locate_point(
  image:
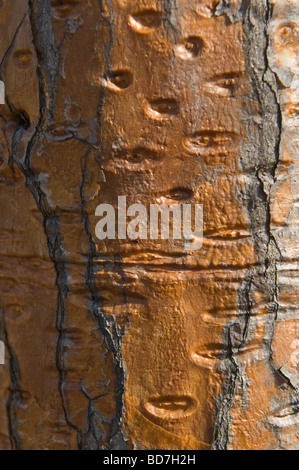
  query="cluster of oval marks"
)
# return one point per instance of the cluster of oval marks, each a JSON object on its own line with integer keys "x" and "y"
{"x": 190, "y": 48}
{"x": 225, "y": 85}
{"x": 145, "y": 21}
{"x": 178, "y": 195}
{"x": 229, "y": 234}
{"x": 219, "y": 316}
{"x": 287, "y": 34}
{"x": 209, "y": 355}
{"x": 206, "y": 356}
{"x": 148, "y": 20}
{"x": 62, "y": 9}
{"x": 136, "y": 158}
{"x": 170, "y": 407}
{"x": 210, "y": 143}
{"x": 288, "y": 416}
{"x": 23, "y": 58}
{"x": 162, "y": 108}
{"x": 119, "y": 80}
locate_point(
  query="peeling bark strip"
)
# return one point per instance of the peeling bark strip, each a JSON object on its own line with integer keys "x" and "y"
{"x": 140, "y": 344}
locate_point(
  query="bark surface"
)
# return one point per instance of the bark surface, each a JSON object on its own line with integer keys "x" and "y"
{"x": 142, "y": 344}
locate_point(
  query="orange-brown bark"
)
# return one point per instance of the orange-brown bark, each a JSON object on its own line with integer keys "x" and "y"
{"x": 142, "y": 344}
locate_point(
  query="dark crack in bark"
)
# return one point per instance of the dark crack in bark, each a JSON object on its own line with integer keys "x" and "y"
{"x": 11, "y": 44}
{"x": 259, "y": 161}
{"x": 108, "y": 327}
{"x": 234, "y": 338}
{"x": 15, "y": 388}
{"x": 43, "y": 40}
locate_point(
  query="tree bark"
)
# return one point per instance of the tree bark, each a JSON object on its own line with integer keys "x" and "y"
{"x": 144, "y": 344}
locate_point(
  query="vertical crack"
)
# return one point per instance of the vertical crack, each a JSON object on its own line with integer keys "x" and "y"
{"x": 259, "y": 160}
{"x": 108, "y": 327}
{"x": 267, "y": 151}
{"x": 12, "y": 43}
{"x": 48, "y": 58}
{"x": 48, "y": 55}
{"x": 15, "y": 390}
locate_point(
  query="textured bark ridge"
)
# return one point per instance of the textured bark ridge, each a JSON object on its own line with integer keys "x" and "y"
{"x": 121, "y": 344}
